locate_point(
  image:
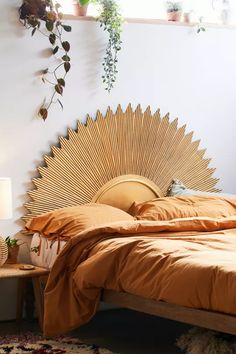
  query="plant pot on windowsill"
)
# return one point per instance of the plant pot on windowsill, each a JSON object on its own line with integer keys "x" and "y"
{"x": 79, "y": 10}
{"x": 174, "y": 16}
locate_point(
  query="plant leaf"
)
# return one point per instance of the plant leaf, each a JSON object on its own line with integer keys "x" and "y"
{"x": 52, "y": 38}
{"x": 33, "y": 32}
{"x": 65, "y": 58}
{"x": 49, "y": 26}
{"x": 61, "y": 82}
{"x": 67, "y": 28}
{"x": 66, "y": 46}
{"x": 55, "y": 50}
{"x": 83, "y": 2}
{"x": 59, "y": 89}
{"x": 43, "y": 113}
{"x": 67, "y": 66}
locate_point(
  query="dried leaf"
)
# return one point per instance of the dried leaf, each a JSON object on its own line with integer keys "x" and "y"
{"x": 59, "y": 89}
{"x": 43, "y": 113}
{"x": 61, "y": 82}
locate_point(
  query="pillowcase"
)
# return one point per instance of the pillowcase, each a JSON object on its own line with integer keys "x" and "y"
{"x": 178, "y": 188}
{"x": 70, "y": 221}
{"x": 169, "y": 208}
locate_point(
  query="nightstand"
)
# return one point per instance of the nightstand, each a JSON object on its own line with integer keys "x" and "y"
{"x": 38, "y": 276}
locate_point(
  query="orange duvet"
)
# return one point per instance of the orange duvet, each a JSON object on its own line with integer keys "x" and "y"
{"x": 189, "y": 262}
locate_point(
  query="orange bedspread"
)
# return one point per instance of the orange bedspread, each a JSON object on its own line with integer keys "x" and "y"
{"x": 189, "y": 262}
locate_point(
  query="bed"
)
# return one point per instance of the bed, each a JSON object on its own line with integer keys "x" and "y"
{"x": 116, "y": 160}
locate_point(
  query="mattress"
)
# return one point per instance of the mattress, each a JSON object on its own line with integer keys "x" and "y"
{"x": 48, "y": 251}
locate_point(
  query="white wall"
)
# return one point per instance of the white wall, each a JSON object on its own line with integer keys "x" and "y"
{"x": 190, "y": 75}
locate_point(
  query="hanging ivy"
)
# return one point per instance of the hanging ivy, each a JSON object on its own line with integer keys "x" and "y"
{"x": 46, "y": 18}
{"x": 111, "y": 21}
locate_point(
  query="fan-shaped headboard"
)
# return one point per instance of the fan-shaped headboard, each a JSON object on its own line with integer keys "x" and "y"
{"x": 118, "y": 158}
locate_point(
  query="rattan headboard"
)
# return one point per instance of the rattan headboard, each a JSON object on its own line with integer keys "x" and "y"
{"x": 119, "y": 158}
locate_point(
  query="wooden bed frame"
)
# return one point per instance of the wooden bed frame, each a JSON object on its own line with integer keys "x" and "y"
{"x": 208, "y": 319}
{"x": 117, "y": 159}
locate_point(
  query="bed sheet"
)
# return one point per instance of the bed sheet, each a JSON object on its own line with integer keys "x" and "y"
{"x": 48, "y": 251}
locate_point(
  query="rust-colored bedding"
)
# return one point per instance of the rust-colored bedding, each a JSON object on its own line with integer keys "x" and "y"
{"x": 189, "y": 262}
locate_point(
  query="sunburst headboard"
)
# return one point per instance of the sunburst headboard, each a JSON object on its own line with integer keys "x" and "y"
{"x": 141, "y": 144}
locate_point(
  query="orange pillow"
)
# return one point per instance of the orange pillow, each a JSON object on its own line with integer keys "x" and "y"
{"x": 169, "y": 208}
{"x": 70, "y": 221}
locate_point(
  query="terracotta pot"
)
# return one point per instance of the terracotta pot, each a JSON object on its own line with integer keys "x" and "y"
{"x": 79, "y": 10}
{"x": 174, "y": 15}
{"x": 12, "y": 254}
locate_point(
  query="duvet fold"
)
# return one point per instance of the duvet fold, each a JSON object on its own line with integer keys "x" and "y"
{"x": 189, "y": 262}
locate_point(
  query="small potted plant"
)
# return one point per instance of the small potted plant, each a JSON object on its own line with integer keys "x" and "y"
{"x": 174, "y": 10}
{"x": 13, "y": 249}
{"x": 80, "y": 7}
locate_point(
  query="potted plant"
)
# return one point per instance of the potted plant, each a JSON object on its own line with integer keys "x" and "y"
{"x": 13, "y": 249}
{"x": 174, "y": 10}
{"x": 80, "y": 7}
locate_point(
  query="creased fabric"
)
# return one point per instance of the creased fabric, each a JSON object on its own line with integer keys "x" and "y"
{"x": 189, "y": 262}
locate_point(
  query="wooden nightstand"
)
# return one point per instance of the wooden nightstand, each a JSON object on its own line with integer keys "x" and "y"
{"x": 38, "y": 276}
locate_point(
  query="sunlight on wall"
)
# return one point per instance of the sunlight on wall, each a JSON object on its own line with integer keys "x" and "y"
{"x": 217, "y": 11}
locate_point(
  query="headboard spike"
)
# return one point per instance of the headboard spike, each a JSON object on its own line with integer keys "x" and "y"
{"x": 189, "y": 136}
{"x": 55, "y": 150}
{"x": 79, "y": 124}
{"x": 109, "y": 112}
{"x": 196, "y": 143}
{"x": 41, "y": 170}
{"x": 89, "y": 121}
{"x": 129, "y": 110}
{"x": 166, "y": 117}
{"x": 174, "y": 123}
{"x": 147, "y": 111}
{"x": 157, "y": 114}
{"x": 99, "y": 116}
{"x": 36, "y": 181}
{"x": 201, "y": 152}
{"x": 63, "y": 141}
{"x": 138, "y": 111}
{"x": 119, "y": 111}
{"x": 183, "y": 128}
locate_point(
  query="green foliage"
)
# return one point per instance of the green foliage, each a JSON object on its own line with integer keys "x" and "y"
{"x": 111, "y": 21}
{"x": 34, "y": 14}
{"x": 11, "y": 242}
{"x": 83, "y": 2}
{"x": 201, "y": 29}
{"x": 173, "y": 6}
{"x": 34, "y": 249}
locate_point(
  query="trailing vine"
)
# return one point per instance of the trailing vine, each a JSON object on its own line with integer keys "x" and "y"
{"x": 111, "y": 21}
{"x": 45, "y": 17}
{"x": 34, "y": 13}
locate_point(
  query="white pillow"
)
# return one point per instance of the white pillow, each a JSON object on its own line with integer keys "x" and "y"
{"x": 178, "y": 188}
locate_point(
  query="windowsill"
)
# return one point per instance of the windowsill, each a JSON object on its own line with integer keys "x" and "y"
{"x": 155, "y": 21}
